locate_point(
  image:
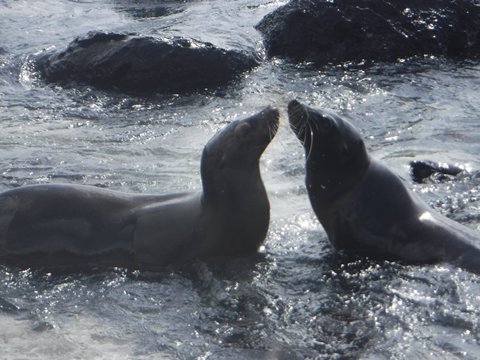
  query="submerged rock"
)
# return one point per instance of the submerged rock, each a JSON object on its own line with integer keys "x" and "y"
{"x": 143, "y": 65}
{"x": 339, "y": 31}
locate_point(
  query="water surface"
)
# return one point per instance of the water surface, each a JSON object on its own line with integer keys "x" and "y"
{"x": 298, "y": 299}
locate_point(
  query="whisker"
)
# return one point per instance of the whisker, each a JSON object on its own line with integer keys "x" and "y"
{"x": 297, "y": 112}
{"x": 315, "y": 125}
{"x": 296, "y": 128}
{"x": 272, "y": 129}
{"x": 308, "y": 123}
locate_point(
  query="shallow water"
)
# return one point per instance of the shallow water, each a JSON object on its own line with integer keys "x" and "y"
{"x": 298, "y": 299}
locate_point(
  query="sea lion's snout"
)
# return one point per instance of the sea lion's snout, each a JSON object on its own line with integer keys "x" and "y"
{"x": 293, "y": 105}
{"x": 296, "y": 113}
{"x": 297, "y": 119}
{"x": 268, "y": 121}
{"x": 270, "y": 113}
{"x": 273, "y": 116}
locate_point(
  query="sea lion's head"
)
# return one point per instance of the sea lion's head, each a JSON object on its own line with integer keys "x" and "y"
{"x": 230, "y": 159}
{"x": 241, "y": 143}
{"x": 335, "y": 152}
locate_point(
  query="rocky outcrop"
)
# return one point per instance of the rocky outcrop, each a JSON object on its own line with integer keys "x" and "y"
{"x": 339, "y": 31}
{"x": 144, "y": 65}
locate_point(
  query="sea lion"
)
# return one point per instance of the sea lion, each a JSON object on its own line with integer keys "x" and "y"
{"x": 364, "y": 207}
{"x": 61, "y": 226}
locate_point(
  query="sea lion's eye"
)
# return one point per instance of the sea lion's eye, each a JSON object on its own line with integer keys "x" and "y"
{"x": 332, "y": 122}
{"x": 242, "y": 130}
{"x": 326, "y": 124}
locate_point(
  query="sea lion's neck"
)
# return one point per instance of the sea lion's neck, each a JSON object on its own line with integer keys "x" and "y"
{"x": 327, "y": 186}
{"x": 241, "y": 207}
{"x": 237, "y": 189}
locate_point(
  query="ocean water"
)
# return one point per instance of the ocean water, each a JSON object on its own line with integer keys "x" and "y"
{"x": 298, "y": 298}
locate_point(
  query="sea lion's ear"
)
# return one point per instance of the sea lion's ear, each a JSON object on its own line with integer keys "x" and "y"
{"x": 222, "y": 162}
{"x": 242, "y": 130}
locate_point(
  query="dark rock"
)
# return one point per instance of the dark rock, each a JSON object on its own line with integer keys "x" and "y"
{"x": 339, "y": 31}
{"x": 143, "y": 65}
{"x": 41, "y": 326}
{"x": 146, "y": 9}
{"x": 421, "y": 170}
